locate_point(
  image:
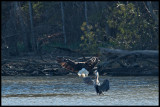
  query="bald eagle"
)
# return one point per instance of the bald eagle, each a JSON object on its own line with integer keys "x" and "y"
{"x": 77, "y": 66}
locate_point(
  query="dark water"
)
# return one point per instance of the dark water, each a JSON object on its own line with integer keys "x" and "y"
{"x": 70, "y": 90}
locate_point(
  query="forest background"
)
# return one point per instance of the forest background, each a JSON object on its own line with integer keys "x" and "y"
{"x": 39, "y": 27}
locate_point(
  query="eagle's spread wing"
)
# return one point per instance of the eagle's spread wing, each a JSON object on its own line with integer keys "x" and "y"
{"x": 76, "y": 66}
{"x": 68, "y": 64}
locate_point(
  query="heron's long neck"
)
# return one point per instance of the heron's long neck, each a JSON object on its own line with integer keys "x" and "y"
{"x": 97, "y": 81}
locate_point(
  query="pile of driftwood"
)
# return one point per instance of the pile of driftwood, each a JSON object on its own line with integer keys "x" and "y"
{"x": 31, "y": 67}
{"x": 124, "y": 62}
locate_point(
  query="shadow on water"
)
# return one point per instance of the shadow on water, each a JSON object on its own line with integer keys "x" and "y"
{"x": 54, "y": 95}
{"x": 39, "y": 95}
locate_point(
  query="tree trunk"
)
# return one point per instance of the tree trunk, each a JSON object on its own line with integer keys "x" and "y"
{"x": 86, "y": 17}
{"x": 23, "y": 27}
{"x": 32, "y": 29}
{"x": 86, "y": 13}
{"x": 96, "y": 3}
{"x": 62, "y": 11}
{"x": 13, "y": 39}
{"x": 150, "y": 8}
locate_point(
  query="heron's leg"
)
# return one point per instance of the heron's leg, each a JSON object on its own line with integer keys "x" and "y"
{"x": 102, "y": 93}
{"x": 97, "y": 93}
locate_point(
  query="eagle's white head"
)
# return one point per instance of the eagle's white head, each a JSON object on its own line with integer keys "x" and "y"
{"x": 83, "y": 72}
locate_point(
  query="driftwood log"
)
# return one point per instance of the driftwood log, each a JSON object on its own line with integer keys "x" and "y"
{"x": 125, "y": 61}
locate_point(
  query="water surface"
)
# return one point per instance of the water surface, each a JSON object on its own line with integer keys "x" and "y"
{"x": 70, "y": 90}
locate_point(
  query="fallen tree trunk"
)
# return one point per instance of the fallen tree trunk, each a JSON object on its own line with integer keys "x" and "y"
{"x": 116, "y": 58}
{"x": 144, "y": 53}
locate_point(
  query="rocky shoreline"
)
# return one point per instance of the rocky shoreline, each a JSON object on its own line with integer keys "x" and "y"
{"x": 35, "y": 66}
{"x": 31, "y": 67}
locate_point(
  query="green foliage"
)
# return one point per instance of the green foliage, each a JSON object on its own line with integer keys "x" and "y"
{"x": 133, "y": 30}
{"x": 90, "y": 39}
{"x": 129, "y": 29}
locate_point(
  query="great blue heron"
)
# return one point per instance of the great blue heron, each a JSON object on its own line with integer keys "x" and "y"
{"x": 100, "y": 88}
